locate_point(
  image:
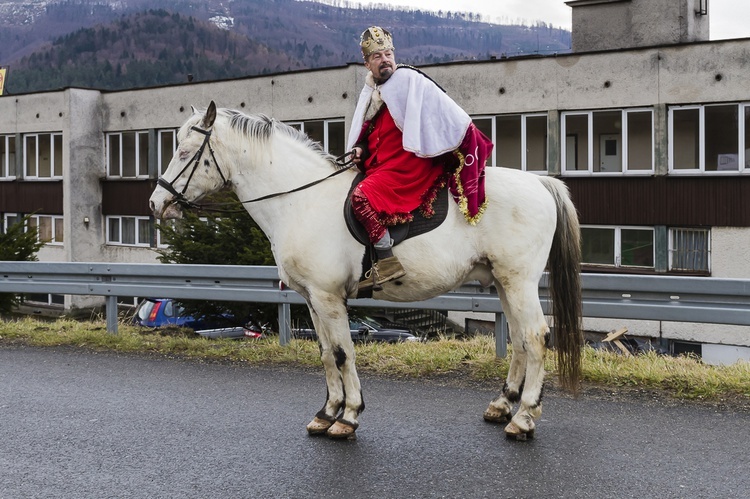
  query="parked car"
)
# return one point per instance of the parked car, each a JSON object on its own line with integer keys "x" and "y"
{"x": 364, "y": 329}
{"x": 160, "y": 312}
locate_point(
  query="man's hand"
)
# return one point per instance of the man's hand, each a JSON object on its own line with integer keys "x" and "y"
{"x": 357, "y": 155}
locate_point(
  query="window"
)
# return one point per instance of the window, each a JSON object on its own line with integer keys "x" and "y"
{"x": 45, "y": 299}
{"x": 42, "y": 154}
{"x": 167, "y": 145}
{"x": 49, "y": 228}
{"x": 520, "y": 140}
{"x": 616, "y": 141}
{"x": 618, "y": 246}
{"x": 9, "y": 219}
{"x": 689, "y": 250}
{"x": 127, "y": 154}
{"x": 486, "y": 125}
{"x": 7, "y": 156}
{"x": 128, "y": 231}
{"x": 330, "y": 133}
{"x": 709, "y": 139}
{"x": 160, "y": 243}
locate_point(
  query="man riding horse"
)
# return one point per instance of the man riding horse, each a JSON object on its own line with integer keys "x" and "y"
{"x": 410, "y": 139}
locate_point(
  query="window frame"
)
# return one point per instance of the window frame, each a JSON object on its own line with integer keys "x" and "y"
{"x": 618, "y": 247}
{"x": 137, "y": 226}
{"x": 159, "y": 150}
{"x": 159, "y": 242}
{"x": 742, "y": 159}
{"x": 590, "y": 135}
{"x": 326, "y": 143}
{"x": 8, "y": 167}
{"x": 109, "y": 136}
{"x": 54, "y": 138}
{"x": 492, "y": 160}
{"x": 4, "y": 225}
{"x": 523, "y": 132}
{"x": 671, "y": 250}
{"x": 55, "y": 222}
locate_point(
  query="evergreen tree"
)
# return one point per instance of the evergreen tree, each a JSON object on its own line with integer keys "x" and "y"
{"x": 231, "y": 238}
{"x": 17, "y": 245}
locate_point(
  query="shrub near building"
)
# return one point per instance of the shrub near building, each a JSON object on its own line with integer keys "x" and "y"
{"x": 18, "y": 243}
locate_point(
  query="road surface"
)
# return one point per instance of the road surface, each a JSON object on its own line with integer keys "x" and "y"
{"x": 80, "y": 424}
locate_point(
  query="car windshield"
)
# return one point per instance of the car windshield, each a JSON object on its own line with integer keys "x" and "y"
{"x": 372, "y": 322}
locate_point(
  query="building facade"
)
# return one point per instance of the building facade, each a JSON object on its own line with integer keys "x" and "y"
{"x": 652, "y": 137}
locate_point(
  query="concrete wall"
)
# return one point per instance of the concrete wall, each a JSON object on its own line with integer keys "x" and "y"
{"x": 617, "y": 24}
{"x": 291, "y": 96}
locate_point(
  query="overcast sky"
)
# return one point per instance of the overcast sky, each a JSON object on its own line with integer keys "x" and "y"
{"x": 727, "y": 18}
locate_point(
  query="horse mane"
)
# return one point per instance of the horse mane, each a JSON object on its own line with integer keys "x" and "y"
{"x": 261, "y": 128}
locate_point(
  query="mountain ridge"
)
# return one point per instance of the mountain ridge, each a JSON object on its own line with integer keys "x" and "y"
{"x": 122, "y": 44}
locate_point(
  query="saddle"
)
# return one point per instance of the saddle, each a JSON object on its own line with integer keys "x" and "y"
{"x": 400, "y": 232}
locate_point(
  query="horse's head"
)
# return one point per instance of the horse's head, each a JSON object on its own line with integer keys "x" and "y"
{"x": 193, "y": 172}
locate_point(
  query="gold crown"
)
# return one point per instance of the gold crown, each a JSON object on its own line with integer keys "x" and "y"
{"x": 375, "y": 39}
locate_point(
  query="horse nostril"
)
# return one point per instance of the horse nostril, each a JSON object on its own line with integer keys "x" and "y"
{"x": 152, "y": 205}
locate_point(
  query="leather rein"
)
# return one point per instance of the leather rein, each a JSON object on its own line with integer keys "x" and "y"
{"x": 345, "y": 162}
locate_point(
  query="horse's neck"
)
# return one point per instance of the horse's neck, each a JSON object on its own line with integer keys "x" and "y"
{"x": 281, "y": 168}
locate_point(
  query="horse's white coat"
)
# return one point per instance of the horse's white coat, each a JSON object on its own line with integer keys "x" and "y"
{"x": 318, "y": 258}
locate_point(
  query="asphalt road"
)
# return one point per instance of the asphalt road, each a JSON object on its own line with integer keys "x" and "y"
{"x": 77, "y": 424}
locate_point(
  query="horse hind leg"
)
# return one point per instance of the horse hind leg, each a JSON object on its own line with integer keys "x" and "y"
{"x": 528, "y": 332}
{"x": 501, "y": 408}
{"x": 527, "y": 318}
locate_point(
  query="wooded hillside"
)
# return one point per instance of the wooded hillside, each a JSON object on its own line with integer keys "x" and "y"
{"x": 211, "y": 41}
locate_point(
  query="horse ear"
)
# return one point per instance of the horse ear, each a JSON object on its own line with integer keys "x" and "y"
{"x": 210, "y": 117}
{"x": 195, "y": 111}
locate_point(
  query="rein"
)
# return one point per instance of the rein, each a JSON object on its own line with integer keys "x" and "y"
{"x": 345, "y": 162}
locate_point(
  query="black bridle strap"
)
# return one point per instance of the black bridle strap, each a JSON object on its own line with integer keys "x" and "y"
{"x": 300, "y": 188}
{"x": 194, "y": 162}
{"x": 345, "y": 162}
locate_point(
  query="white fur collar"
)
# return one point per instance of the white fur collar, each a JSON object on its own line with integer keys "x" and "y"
{"x": 376, "y": 101}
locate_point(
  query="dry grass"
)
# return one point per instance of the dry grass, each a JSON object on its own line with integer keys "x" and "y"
{"x": 473, "y": 359}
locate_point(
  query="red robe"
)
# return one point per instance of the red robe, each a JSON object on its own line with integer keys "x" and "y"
{"x": 397, "y": 181}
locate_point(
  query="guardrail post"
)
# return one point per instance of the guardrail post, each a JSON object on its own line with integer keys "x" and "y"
{"x": 501, "y": 335}
{"x": 285, "y": 321}
{"x": 111, "y": 312}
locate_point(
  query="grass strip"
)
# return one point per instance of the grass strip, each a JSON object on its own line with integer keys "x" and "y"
{"x": 685, "y": 378}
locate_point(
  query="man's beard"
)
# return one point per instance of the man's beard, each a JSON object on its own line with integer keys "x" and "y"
{"x": 385, "y": 73}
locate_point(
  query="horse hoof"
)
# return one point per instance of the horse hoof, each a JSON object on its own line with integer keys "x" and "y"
{"x": 318, "y": 426}
{"x": 342, "y": 429}
{"x": 492, "y": 415}
{"x": 514, "y": 432}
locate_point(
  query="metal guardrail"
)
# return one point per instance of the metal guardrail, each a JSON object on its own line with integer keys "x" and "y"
{"x": 665, "y": 298}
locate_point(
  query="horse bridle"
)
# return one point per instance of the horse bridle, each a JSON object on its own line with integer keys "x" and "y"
{"x": 179, "y": 197}
{"x": 345, "y": 161}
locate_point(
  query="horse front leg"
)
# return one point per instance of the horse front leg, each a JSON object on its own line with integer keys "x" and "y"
{"x": 344, "y": 402}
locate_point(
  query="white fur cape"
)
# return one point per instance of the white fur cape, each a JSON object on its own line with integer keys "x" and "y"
{"x": 432, "y": 123}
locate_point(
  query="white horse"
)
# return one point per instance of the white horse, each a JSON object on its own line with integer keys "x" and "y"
{"x": 529, "y": 221}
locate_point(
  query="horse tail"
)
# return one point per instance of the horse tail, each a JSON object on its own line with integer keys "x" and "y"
{"x": 565, "y": 285}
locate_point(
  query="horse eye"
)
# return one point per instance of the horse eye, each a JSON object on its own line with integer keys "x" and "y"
{"x": 184, "y": 155}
